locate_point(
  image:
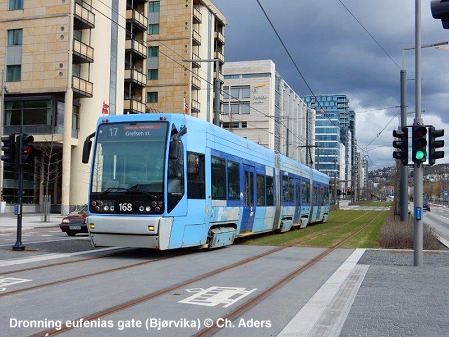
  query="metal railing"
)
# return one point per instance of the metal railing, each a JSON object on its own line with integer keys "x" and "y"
{"x": 134, "y": 105}
{"x": 220, "y": 37}
{"x": 196, "y": 38}
{"x": 83, "y": 50}
{"x": 136, "y": 76}
{"x": 136, "y": 47}
{"x": 82, "y": 86}
{"x": 196, "y": 82}
{"x": 197, "y": 16}
{"x": 84, "y": 14}
{"x": 195, "y": 105}
{"x": 138, "y": 18}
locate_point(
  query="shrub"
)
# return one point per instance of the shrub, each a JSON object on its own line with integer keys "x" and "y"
{"x": 398, "y": 235}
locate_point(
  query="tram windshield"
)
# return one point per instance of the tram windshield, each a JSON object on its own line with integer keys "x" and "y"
{"x": 130, "y": 157}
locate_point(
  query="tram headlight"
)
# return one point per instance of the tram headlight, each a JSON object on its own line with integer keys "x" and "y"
{"x": 111, "y": 208}
{"x": 148, "y": 209}
{"x": 141, "y": 209}
{"x": 160, "y": 203}
{"x": 97, "y": 208}
{"x": 154, "y": 204}
{"x": 92, "y": 226}
{"x": 157, "y": 209}
{"x": 93, "y": 203}
{"x": 106, "y": 208}
{"x": 151, "y": 228}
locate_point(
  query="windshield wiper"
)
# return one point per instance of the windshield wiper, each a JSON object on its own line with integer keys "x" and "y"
{"x": 135, "y": 188}
{"x": 112, "y": 189}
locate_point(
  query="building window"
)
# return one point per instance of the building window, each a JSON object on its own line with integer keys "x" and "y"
{"x": 245, "y": 92}
{"x": 154, "y": 6}
{"x": 153, "y": 28}
{"x": 13, "y": 73}
{"x": 233, "y": 181}
{"x": 15, "y": 5}
{"x": 153, "y": 74}
{"x": 196, "y": 187}
{"x": 15, "y": 37}
{"x": 245, "y": 108}
{"x": 235, "y": 108}
{"x": 218, "y": 178}
{"x": 152, "y": 97}
{"x": 153, "y": 51}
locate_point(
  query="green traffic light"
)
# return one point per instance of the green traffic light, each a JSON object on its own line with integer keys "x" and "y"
{"x": 420, "y": 155}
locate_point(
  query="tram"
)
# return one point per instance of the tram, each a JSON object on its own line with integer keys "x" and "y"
{"x": 168, "y": 181}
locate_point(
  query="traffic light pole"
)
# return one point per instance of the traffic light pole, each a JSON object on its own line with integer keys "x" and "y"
{"x": 403, "y": 199}
{"x": 418, "y": 169}
{"x": 19, "y": 245}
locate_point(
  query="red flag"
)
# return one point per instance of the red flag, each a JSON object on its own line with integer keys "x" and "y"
{"x": 185, "y": 106}
{"x": 105, "y": 109}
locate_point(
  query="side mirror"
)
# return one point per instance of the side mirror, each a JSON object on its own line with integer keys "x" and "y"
{"x": 87, "y": 147}
{"x": 174, "y": 149}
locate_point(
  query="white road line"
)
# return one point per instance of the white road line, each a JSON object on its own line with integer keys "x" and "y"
{"x": 65, "y": 239}
{"x": 46, "y": 235}
{"x": 307, "y": 318}
{"x": 46, "y": 257}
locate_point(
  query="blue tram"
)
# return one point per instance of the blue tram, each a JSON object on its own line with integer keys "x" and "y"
{"x": 169, "y": 181}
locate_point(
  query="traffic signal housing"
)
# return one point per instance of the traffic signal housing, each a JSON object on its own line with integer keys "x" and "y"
{"x": 435, "y": 144}
{"x": 26, "y": 149}
{"x": 401, "y": 144}
{"x": 440, "y": 10}
{"x": 419, "y": 144}
{"x": 8, "y": 148}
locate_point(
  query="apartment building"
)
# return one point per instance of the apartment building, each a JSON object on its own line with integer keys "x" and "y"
{"x": 261, "y": 106}
{"x": 64, "y": 64}
{"x": 180, "y": 34}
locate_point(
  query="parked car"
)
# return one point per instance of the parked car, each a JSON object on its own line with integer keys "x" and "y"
{"x": 75, "y": 222}
{"x": 425, "y": 206}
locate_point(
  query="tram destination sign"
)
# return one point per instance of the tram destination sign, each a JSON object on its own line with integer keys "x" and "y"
{"x": 128, "y": 131}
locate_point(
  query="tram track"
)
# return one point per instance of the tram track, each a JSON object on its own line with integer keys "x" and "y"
{"x": 248, "y": 305}
{"x": 147, "y": 297}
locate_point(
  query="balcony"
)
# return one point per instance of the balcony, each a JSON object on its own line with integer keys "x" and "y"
{"x": 197, "y": 16}
{"x": 196, "y": 38}
{"x": 134, "y": 106}
{"x": 195, "y": 106}
{"x": 220, "y": 77}
{"x": 196, "y": 82}
{"x": 135, "y": 76}
{"x": 196, "y": 64}
{"x": 136, "y": 47}
{"x": 219, "y": 37}
{"x": 83, "y": 17}
{"x": 81, "y": 87}
{"x": 82, "y": 53}
{"x": 219, "y": 55}
{"x": 139, "y": 20}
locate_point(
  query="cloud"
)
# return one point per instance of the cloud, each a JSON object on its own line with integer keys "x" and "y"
{"x": 337, "y": 56}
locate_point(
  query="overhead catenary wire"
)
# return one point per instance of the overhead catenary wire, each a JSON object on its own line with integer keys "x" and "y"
{"x": 370, "y": 34}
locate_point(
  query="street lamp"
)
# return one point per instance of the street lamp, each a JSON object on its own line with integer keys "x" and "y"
{"x": 217, "y": 86}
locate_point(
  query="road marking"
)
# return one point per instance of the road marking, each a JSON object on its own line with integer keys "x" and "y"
{"x": 64, "y": 239}
{"x": 46, "y": 235}
{"x": 213, "y": 296}
{"x": 46, "y": 257}
{"x": 9, "y": 281}
{"x": 307, "y": 318}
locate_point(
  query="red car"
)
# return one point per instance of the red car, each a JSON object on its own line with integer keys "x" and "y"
{"x": 75, "y": 222}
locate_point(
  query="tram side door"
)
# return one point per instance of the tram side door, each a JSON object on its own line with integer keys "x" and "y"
{"x": 249, "y": 208}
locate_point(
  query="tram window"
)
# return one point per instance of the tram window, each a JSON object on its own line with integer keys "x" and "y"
{"x": 287, "y": 184}
{"x": 260, "y": 190}
{"x": 305, "y": 192}
{"x": 269, "y": 191}
{"x": 298, "y": 193}
{"x": 196, "y": 188}
{"x": 218, "y": 178}
{"x": 233, "y": 181}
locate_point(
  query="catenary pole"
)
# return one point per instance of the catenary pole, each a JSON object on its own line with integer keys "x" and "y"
{"x": 404, "y": 168}
{"x": 418, "y": 169}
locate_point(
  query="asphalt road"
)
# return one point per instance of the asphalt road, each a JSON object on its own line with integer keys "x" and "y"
{"x": 438, "y": 219}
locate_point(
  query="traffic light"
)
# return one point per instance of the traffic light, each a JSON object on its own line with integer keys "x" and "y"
{"x": 8, "y": 148}
{"x": 401, "y": 145}
{"x": 26, "y": 149}
{"x": 419, "y": 144}
{"x": 435, "y": 144}
{"x": 440, "y": 10}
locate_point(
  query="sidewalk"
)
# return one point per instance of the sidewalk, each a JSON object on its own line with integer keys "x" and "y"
{"x": 9, "y": 221}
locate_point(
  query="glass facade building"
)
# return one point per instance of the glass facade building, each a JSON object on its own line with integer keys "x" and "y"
{"x": 335, "y": 124}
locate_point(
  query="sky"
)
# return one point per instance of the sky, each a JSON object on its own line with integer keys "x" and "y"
{"x": 337, "y": 56}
